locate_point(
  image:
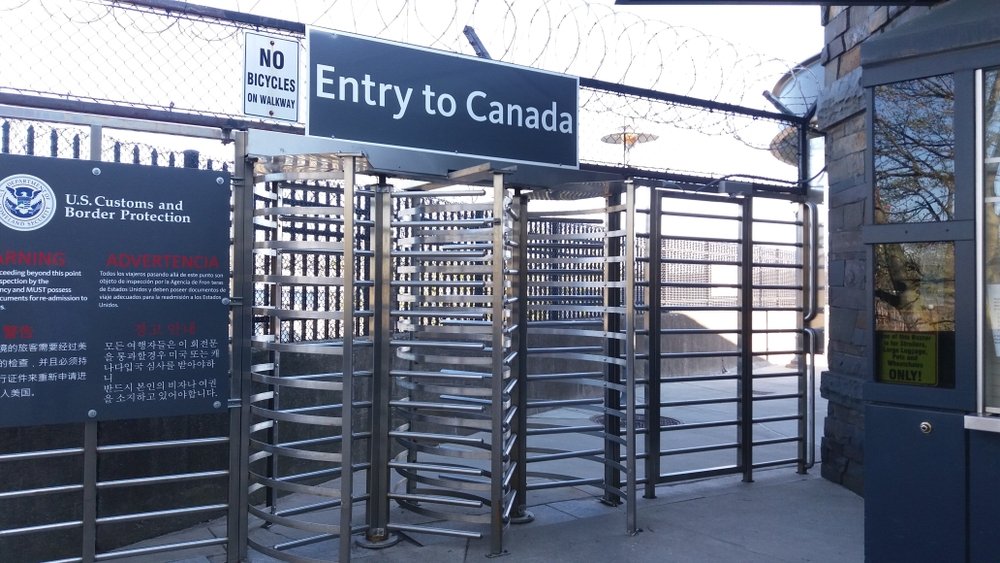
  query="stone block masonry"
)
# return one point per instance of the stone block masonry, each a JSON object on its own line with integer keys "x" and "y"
{"x": 841, "y": 115}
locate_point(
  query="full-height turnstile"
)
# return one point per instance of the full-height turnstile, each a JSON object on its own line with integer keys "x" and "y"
{"x": 385, "y": 358}
{"x": 428, "y": 354}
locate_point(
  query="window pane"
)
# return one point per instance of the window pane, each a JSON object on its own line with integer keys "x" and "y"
{"x": 914, "y": 151}
{"x": 915, "y": 313}
{"x": 991, "y": 238}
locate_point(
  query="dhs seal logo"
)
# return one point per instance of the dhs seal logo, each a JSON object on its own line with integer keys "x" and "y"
{"x": 28, "y": 202}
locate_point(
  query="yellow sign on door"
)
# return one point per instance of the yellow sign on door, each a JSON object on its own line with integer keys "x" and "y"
{"x": 909, "y": 358}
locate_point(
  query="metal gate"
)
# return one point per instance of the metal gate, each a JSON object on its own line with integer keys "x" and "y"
{"x": 729, "y": 360}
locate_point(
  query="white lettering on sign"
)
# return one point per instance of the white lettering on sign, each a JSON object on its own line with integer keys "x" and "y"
{"x": 348, "y": 89}
{"x": 271, "y": 77}
{"x": 515, "y": 115}
{"x": 478, "y": 106}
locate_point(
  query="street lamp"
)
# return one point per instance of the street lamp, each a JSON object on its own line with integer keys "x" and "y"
{"x": 627, "y": 138}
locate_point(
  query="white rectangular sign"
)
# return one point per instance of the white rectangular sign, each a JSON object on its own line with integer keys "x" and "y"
{"x": 271, "y": 77}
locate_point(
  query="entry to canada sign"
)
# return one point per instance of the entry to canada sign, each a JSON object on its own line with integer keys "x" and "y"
{"x": 113, "y": 286}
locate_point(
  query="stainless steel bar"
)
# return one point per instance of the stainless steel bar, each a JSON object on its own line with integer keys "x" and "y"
{"x": 11, "y": 532}
{"x": 434, "y": 499}
{"x": 613, "y": 298}
{"x": 409, "y": 404}
{"x": 160, "y": 513}
{"x": 151, "y": 550}
{"x": 57, "y": 489}
{"x": 779, "y": 397}
{"x": 314, "y": 507}
{"x": 693, "y": 378}
{"x": 452, "y": 224}
{"x": 439, "y": 283}
{"x": 565, "y": 483}
{"x": 699, "y": 449}
{"x": 420, "y": 194}
{"x": 565, "y": 349}
{"x": 671, "y": 213}
{"x": 42, "y": 454}
{"x": 378, "y": 515}
{"x": 811, "y": 261}
{"x": 542, "y": 403}
{"x": 435, "y": 531}
{"x": 140, "y": 446}
{"x": 745, "y": 383}
{"x": 654, "y": 322}
{"x": 497, "y": 414}
{"x": 697, "y": 402}
{"x": 775, "y": 441}
{"x": 442, "y": 344}
{"x": 767, "y": 419}
{"x": 777, "y": 374}
{"x": 438, "y": 468}
{"x": 708, "y": 354}
{"x": 240, "y": 373}
{"x": 275, "y": 348}
{"x": 159, "y": 479}
{"x": 631, "y": 509}
{"x": 453, "y": 374}
{"x": 96, "y": 141}
{"x": 594, "y": 453}
{"x": 349, "y": 166}
{"x": 575, "y": 377}
{"x": 451, "y": 255}
{"x": 810, "y": 435}
{"x": 699, "y": 425}
{"x": 582, "y": 429}
{"x": 679, "y": 476}
{"x": 774, "y": 463}
{"x": 90, "y": 440}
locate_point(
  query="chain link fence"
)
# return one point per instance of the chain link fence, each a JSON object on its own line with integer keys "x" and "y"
{"x": 178, "y": 62}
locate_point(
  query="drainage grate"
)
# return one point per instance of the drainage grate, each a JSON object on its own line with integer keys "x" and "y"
{"x": 640, "y": 420}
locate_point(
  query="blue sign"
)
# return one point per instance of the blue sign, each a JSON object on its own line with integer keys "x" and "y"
{"x": 372, "y": 91}
{"x": 113, "y": 286}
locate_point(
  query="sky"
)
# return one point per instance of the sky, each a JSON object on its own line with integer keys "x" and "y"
{"x": 787, "y": 32}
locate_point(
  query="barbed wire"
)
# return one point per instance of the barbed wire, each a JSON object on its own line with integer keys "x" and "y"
{"x": 118, "y": 52}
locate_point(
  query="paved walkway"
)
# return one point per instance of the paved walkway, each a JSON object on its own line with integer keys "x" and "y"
{"x": 781, "y": 517}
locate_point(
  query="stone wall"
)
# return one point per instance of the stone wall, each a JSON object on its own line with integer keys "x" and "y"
{"x": 841, "y": 115}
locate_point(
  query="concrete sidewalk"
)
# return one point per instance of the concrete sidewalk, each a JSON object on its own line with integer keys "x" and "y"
{"x": 781, "y": 517}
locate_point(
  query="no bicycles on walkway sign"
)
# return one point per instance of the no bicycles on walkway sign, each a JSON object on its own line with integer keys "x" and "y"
{"x": 271, "y": 77}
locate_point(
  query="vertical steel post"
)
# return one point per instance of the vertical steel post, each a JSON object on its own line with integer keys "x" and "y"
{"x": 242, "y": 331}
{"x": 520, "y": 513}
{"x": 89, "y": 551}
{"x": 805, "y": 355}
{"x": 90, "y": 430}
{"x": 654, "y": 324}
{"x": 745, "y": 385}
{"x": 274, "y": 267}
{"x": 347, "y": 395}
{"x": 613, "y": 297}
{"x": 497, "y": 440}
{"x": 809, "y": 253}
{"x": 804, "y": 172}
{"x": 378, "y": 475}
{"x": 96, "y": 139}
{"x": 630, "y": 385}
